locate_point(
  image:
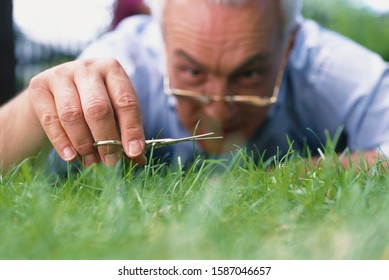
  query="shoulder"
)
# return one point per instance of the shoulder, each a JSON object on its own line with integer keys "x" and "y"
{"x": 332, "y": 60}
{"x": 335, "y": 81}
{"x": 329, "y": 68}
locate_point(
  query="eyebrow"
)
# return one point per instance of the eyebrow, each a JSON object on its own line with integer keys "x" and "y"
{"x": 257, "y": 58}
{"x": 186, "y": 56}
{"x": 248, "y": 63}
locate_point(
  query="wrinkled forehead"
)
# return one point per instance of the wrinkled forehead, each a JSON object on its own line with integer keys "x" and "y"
{"x": 227, "y": 33}
{"x": 214, "y": 18}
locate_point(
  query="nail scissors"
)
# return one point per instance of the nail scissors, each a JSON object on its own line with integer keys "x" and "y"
{"x": 163, "y": 142}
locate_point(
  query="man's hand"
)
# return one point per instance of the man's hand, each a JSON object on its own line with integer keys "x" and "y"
{"x": 84, "y": 101}
{"x": 359, "y": 160}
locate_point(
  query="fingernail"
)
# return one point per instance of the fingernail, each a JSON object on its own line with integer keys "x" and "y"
{"x": 69, "y": 153}
{"x": 111, "y": 160}
{"x": 134, "y": 148}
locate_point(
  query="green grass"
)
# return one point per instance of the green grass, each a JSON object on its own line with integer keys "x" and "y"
{"x": 284, "y": 209}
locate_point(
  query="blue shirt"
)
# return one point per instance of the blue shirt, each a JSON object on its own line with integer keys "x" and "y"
{"x": 330, "y": 82}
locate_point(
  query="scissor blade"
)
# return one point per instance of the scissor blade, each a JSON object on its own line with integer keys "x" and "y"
{"x": 157, "y": 143}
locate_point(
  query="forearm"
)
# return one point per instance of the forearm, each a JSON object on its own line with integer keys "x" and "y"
{"x": 356, "y": 160}
{"x": 21, "y": 134}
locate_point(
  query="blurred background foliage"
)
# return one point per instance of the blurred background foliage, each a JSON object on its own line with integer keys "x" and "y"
{"x": 354, "y": 20}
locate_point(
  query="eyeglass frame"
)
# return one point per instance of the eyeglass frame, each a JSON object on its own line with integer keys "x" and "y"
{"x": 252, "y": 100}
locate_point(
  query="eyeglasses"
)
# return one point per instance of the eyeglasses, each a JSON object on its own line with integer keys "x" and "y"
{"x": 243, "y": 100}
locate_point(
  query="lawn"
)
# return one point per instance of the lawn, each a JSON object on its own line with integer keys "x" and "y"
{"x": 279, "y": 209}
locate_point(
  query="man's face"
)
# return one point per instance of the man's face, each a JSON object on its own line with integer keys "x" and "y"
{"x": 219, "y": 50}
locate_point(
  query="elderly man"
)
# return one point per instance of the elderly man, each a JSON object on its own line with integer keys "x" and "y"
{"x": 252, "y": 71}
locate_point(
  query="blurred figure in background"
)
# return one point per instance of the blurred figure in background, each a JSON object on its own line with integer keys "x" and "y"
{"x": 126, "y": 8}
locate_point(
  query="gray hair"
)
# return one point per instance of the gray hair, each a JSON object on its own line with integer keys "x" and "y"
{"x": 291, "y": 10}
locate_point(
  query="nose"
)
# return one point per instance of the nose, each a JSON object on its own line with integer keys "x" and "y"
{"x": 220, "y": 110}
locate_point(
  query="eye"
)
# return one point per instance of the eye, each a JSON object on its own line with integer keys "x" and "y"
{"x": 250, "y": 74}
{"x": 250, "y": 77}
{"x": 193, "y": 72}
{"x": 191, "y": 75}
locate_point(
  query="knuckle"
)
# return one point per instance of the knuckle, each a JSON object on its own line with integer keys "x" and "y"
{"x": 84, "y": 148}
{"x": 111, "y": 63}
{"x": 98, "y": 110}
{"x": 56, "y": 135}
{"x": 86, "y": 63}
{"x": 108, "y": 63}
{"x": 111, "y": 66}
{"x": 71, "y": 115}
{"x": 38, "y": 82}
{"x": 58, "y": 140}
{"x": 88, "y": 66}
{"x": 126, "y": 102}
{"x": 42, "y": 81}
{"x": 35, "y": 82}
{"x": 133, "y": 130}
{"x": 49, "y": 119}
{"x": 61, "y": 70}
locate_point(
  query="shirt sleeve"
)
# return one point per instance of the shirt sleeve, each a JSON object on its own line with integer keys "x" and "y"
{"x": 356, "y": 91}
{"x": 342, "y": 84}
{"x": 373, "y": 128}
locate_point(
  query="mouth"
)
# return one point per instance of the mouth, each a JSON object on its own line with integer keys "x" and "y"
{"x": 230, "y": 129}
{"x": 226, "y": 128}
{"x": 232, "y": 137}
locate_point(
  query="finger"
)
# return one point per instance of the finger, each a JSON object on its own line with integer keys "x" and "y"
{"x": 125, "y": 104}
{"x": 71, "y": 117}
{"x": 98, "y": 113}
{"x": 44, "y": 106}
{"x": 140, "y": 160}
